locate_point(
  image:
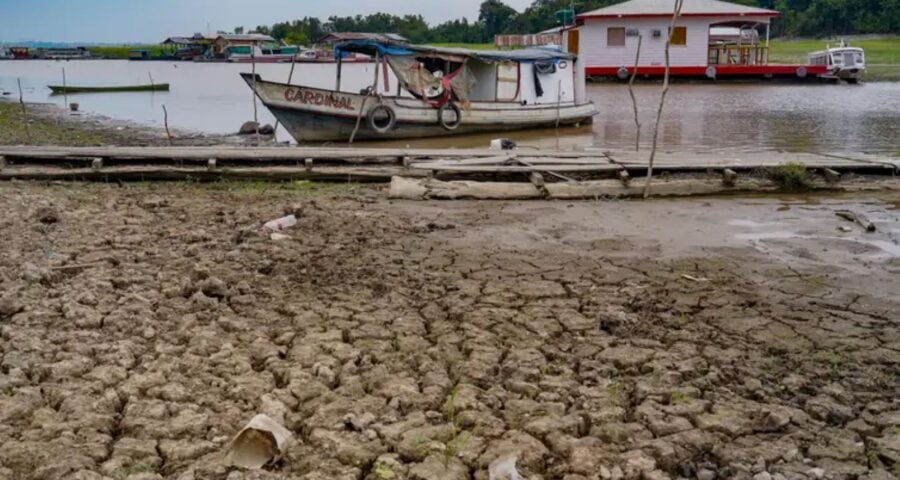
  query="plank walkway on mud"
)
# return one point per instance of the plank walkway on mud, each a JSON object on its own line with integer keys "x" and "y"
{"x": 380, "y": 164}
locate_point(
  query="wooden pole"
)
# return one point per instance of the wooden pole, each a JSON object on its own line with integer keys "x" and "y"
{"x": 662, "y": 99}
{"x": 166, "y": 123}
{"x": 24, "y": 112}
{"x": 290, "y": 77}
{"x": 255, "y": 113}
{"x": 637, "y": 123}
{"x": 558, "y": 108}
{"x": 372, "y": 90}
{"x": 65, "y": 91}
{"x": 340, "y": 66}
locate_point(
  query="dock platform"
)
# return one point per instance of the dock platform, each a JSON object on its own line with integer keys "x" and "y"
{"x": 381, "y": 164}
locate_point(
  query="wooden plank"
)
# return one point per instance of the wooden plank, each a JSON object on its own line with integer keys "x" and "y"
{"x": 422, "y": 189}
{"x": 856, "y": 217}
{"x": 359, "y": 174}
{"x": 431, "y": 164}
{"x": 390, "y": 155}
{"x": 524, "y": 168}
{"x": 660, "y": 188}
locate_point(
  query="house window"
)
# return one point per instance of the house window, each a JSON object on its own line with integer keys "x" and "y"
{"x": 679, "y": 36}
{"x": 615, "y": 37}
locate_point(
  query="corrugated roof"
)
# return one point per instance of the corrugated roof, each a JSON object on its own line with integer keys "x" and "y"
{"x": 257, "y": 37}
{"x": 691, "y": 8}
{"x": 370, "y": 47}
{"x": 346, "y": 36}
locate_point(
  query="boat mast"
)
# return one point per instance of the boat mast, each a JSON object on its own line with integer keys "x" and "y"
{"x": 337, "y": 86}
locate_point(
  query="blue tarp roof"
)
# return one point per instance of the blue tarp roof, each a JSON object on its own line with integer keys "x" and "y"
{"x": 370, "y": 47}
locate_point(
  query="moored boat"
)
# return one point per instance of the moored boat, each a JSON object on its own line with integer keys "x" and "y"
{"x": 156, "y": 87}
{"x": 843, "y": 62}
{"x": 434, "y": 92}
{"x": 261, "y": 53}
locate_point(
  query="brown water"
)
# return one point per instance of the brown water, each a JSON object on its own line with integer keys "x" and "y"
{"x": 698, "y": 116}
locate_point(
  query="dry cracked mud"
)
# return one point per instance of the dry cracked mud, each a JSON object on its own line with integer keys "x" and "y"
{"x": 141, "y": 326}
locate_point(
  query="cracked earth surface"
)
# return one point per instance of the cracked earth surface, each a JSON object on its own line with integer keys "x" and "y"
{"x": 142, "y": 326}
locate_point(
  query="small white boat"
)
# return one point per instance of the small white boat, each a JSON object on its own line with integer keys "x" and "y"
{"x": 843, "y": 62}
{"x": 434, "y": 92}
{"x": 261, "y": 54}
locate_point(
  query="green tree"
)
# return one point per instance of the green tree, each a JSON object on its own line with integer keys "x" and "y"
{"x": 496, "y": 17}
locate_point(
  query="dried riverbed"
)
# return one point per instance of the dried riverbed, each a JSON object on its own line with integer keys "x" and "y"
{"x": 142, "y": 325}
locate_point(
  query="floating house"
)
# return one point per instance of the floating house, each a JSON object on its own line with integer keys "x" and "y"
{"x": 711, "y": 38}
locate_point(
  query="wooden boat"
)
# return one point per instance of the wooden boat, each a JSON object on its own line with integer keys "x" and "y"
{"x": 843, "y": 63}
{"x": 422, "y": 91}
{"x": 156, "y": 87}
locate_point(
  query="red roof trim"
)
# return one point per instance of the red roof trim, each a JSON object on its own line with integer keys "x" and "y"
{"x": 669, "y": 15}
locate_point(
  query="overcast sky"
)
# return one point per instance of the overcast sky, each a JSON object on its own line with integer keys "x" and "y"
{"x": 154, "y": 20}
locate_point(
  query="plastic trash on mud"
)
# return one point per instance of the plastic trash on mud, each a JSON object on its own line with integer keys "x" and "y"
{"x": 261, "y": 442}
{"x": 280, "y": 224}
{"x": 504, "y": 468}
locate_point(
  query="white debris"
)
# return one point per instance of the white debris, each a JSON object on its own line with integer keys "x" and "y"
{"x": 262, "y": 441}
{"x": 504, "y": 468}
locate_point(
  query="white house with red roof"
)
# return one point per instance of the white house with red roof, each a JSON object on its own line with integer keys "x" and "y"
{"x": 607, "y": 40}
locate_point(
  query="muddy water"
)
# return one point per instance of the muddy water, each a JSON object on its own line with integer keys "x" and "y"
{"x": 799, "y": 117}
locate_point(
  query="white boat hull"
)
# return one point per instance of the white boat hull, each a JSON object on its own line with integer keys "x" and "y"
{"x": 315, "y": 115}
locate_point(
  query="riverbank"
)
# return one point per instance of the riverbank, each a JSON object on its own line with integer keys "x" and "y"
{"x": 696, "y": 338}
{"x": 50, "y": 125}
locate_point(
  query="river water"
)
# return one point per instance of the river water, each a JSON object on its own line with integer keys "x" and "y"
{"x": 212, "y": 98}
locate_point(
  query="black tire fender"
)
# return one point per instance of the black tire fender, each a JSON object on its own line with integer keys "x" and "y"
{"x": 443, "y": 121}
{"x": 372, "y": 121}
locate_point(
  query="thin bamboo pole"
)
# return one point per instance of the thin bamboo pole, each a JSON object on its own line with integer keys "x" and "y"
{"x": 166, "y": 123}
{"x": 24, "y": 112}
{"x": 637, "y": 123}
{"x": 255, "y": 112}
{"x": 65, "y": 91}
{"x": 662, "y": 99}
{"x": 558, "y": 109}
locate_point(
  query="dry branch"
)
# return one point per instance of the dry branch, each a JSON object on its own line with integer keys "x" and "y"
{"x": 637, "y": 123}
{"x": 662, "y": 98}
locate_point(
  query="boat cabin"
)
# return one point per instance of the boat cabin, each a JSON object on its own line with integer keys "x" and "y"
{"x": 224, "y": 42}
{"x": 536, "y": 76}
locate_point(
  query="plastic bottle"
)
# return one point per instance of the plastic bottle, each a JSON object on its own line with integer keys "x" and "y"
{"x": 281, "y": 224}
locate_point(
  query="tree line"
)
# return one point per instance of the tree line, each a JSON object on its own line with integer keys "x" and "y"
{"x": 800, "y": 18}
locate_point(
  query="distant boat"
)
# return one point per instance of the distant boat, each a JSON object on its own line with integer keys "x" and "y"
{"x": 843, "y": 62}
{"x": 157, "y": 87}
{"x": 77, "y": 53}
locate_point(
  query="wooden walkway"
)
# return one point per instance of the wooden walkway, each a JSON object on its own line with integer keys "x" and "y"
{"x": 380, "y": 164}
